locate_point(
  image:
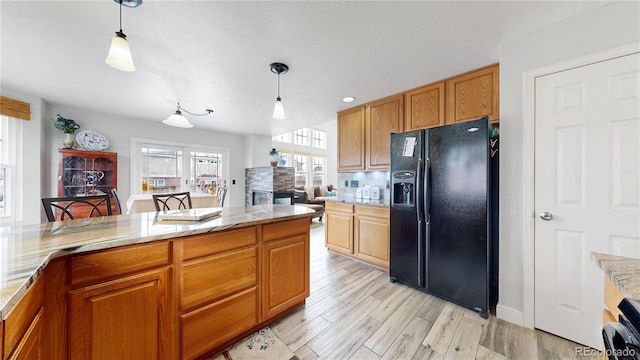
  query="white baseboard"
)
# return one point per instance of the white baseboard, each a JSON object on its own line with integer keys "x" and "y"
{"x": 510, "y": 315}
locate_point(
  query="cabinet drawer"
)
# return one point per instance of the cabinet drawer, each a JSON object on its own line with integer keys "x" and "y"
{"x": 373, "y": 211}
{"x": 213, "y": 277}
{"x": 215, "y": 242}
{"x": 108, "y": 264}
{"x": 25, "y": 313}
{"x": 284, "y": 229}
{"x": 209, "y": 327}
{"x": 337, "y": 206}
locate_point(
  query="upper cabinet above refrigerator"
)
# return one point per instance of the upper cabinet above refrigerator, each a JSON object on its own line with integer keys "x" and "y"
{"x": 474, "y": 95}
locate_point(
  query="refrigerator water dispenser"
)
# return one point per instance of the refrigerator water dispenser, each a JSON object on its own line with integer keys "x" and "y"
{"x": 404, "y": 188}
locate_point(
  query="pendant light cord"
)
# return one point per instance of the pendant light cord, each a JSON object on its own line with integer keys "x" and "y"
{"x": 278, "y": 85}
{"x": 120, "y": 15}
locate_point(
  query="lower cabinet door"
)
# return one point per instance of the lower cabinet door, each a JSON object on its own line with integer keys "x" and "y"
{"x": 285, "y": 277}
{"x": 206, "y": 328}
{"x": 121, "y": 319}
{"x": 339, "y": 232}
{"x": 372, "y": 240}
{"x": 30, "y": 347}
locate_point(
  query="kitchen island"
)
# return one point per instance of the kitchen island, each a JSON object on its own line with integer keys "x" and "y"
{"x": 130, "y": 285}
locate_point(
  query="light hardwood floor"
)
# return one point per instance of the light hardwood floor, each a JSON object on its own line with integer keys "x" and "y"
{"x": 354, "y": 312}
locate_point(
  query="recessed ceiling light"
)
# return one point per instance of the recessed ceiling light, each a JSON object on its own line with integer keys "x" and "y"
{"x": 349, "y": 99}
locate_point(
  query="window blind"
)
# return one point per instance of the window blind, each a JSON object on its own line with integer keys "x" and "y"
{"x": 14, "y": 108}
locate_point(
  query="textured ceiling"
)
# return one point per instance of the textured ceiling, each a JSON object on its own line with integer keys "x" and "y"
{"x": 211, "y": 54}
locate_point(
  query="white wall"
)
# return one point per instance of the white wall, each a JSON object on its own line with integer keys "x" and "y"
{"x": 120, "y": 130}
{"x": 31, "y": 161}
{"x": 257, "y": 148}
{"x": 604, "y": 28}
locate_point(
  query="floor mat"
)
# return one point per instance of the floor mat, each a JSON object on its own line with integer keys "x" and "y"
{"x": 261, "y": 345}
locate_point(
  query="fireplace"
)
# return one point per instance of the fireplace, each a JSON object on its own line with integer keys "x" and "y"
{"x": 261, "y": 197}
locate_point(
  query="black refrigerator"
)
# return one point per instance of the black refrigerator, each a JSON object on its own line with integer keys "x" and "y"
{"x": 444, "y": 212}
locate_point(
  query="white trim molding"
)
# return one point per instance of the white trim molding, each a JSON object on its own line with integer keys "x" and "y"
{"x": 511, "y": 315}
{"x": 529, "y": 79}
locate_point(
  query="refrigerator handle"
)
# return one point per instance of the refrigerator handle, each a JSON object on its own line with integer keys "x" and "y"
{"x": 427, "y": 191}
{"x": 419, "y": 204}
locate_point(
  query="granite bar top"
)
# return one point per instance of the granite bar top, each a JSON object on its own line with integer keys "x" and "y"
{"x": 356, "y": 201}
{"x": 25, "y": 250}
{"x": 624, "y": 272}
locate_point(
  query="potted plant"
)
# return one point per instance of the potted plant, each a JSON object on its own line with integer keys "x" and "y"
{"x": 68, "y": 126}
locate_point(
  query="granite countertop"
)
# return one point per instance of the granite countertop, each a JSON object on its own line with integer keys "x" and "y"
{"x": 356, "y": 201}
{"x": 624, "y": 272}
{"x": 25, "y": 250}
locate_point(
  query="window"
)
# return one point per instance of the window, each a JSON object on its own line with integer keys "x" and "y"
{"x": 306, "y": 154}
{"x": 285, "y": 138}
{"x": 10, "y": 150}
{"x": 163, "y": 167}
{"x": 319, "y": 139}
{"x": 206, "y": 171}
{"x": 285, "y": 159}
{"x": 318, "y": 171}
{"x": 301, "y": 137}
{"x": 301, "y": 165}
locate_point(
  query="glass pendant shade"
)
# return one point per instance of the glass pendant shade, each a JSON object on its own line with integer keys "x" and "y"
{"x": 278, "y": 110}
{"x": 119, "y": 56}
{"x": 177, "y": 120}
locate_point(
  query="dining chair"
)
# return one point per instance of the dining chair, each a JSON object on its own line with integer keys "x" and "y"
{"x": 60, "y": 209}
{"x": 114, "y": 195}
{"x": 173, "y": 201}
{"x": 221, "y": 193}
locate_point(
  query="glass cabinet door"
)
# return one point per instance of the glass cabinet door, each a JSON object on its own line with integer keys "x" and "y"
{"x": 84, "y": 173}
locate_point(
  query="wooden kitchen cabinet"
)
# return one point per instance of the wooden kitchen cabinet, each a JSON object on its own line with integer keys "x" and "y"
{"x": 23, "y": 326}
{"x": 359, "y": 231}
{"x": 612, "y": 297}
{"x": 285, "y": 264}
{"x": 339, "y": 227}
{"x": 371, "y": 235}
{"x": 82, "y": 172}
{"x": 425, "y": 107}
{"x": 208, "y": 327}
{"x": 119, "y": 304}
{"x": 382, "y": 118}
{"x": 363, "y": 131}
{"x": 351, "y": 139}
{"x": 182, "y": 298}
{"x": 213, "y": 311}
{"x": 473, "y": 95}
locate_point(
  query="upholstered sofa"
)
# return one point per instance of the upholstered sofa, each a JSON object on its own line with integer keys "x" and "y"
{"x": 313, "y": 197}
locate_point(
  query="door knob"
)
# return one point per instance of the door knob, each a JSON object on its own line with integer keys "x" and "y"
{"x": 546, "y": 216}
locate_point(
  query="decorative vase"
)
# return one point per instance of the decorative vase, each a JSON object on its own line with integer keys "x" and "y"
{"x": 68, "y": 141}
{"x": 274, "y": 157}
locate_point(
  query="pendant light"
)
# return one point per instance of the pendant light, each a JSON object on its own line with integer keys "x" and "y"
{"x": 178, "y": 120}
{"x": 278, "y": 109}
{"x": 119, "y": 56}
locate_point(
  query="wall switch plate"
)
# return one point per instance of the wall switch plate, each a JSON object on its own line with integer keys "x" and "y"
{"x": 346, "y": 183}
{"x": 354, "y": 183}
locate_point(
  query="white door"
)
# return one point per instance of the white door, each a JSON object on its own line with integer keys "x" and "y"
{"x": 587, "y": 178}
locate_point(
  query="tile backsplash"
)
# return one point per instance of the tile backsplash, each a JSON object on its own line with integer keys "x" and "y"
{"x": 349, "y": 182}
